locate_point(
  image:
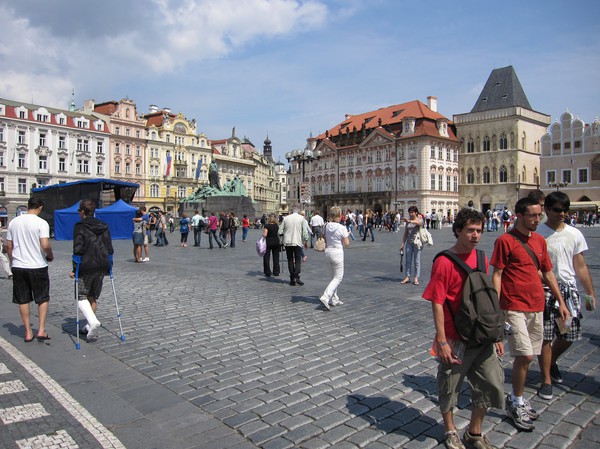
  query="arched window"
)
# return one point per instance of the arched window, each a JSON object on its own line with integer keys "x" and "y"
{"x": 470, "y": 176}
{"x": 154, "y": 191}
{"x": 503, "y": 174}
{"x": 486, "y": 175}
{"x": 503, "y": 142}
{"x": 470, "y": 146}
{"x": 486, "y": 143}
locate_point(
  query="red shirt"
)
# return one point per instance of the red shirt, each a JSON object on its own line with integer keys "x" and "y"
{"x": 447, "y": 282}
{"x": 245, "y": 223}
{"x": 521, "y": 287}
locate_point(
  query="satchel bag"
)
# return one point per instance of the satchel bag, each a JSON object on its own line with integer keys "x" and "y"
{"x": 261, "y": 246}
{"x": 320, "y": 245}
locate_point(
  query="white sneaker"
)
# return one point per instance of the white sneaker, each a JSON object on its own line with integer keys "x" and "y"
{"x": 336, "y": 302}
{"x": 93, "y": 332}
{"x": 146, "y": 259}
{"x": 325, "y": 303}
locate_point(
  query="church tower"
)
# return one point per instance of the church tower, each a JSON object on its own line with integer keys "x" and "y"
{"x": 268, "y": 149}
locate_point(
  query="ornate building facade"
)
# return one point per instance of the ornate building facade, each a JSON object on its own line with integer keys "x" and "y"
{"x": 571, "y": 160}
{"x": 388, "y": 159}
{"x": 499, "y": 144}
{"x": 41, "y": 146}
{"x": 127, "y": 151}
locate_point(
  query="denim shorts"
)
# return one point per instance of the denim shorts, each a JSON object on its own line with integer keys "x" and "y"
{"x": 30, "y": 284}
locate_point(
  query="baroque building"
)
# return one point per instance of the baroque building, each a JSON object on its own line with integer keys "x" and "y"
{"x": 40, "y": 145}
{"x": 571, "y": 161}
{"x": 388, "y": 159}
{"x": 499, "y": 144}
{"x": 127, "y": 151}
{"x": 177, "y": 159}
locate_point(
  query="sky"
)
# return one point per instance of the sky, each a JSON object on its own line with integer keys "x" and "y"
{"x": 292, "y": 68}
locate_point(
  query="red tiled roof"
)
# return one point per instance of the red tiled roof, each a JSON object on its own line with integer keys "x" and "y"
{"x": 106, "y": 108}
{"x": 156, "y": 118}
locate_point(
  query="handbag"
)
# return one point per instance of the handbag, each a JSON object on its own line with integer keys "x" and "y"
{"x": 320, "y": 245}
{"x": 261, "y": 246}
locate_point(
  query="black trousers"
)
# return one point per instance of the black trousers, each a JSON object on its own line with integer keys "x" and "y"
{"x": 274, "y": 250}
{"x": 294, "y": 258}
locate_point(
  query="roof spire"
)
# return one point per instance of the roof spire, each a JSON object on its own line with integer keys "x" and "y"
{"x": 72, "y": 106}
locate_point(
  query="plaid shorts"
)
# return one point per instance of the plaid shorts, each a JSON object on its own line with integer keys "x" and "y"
{"x": 30, "y": 285}
{"x": 571, "y": 296}
{"x": 90, "y": 284}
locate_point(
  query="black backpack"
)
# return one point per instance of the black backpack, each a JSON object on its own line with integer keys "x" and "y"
{"x": 505, "y": 216}
{"x": 479, "y": 319}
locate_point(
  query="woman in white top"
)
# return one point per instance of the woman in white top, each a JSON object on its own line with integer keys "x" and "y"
{"x": 336, "y": 237}
{"x": 412, "y": 250}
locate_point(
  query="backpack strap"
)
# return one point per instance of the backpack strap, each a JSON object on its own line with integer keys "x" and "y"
{"x": 462, "y": 264}
{"x": 517, "y": 237}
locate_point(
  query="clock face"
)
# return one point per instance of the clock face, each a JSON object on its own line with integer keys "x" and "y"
{"x": 180, "y": 128}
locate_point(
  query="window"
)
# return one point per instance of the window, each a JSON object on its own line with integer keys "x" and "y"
{"x": 432, "y": 152}
{"x": 154, "y": 190}
{"x": 566, "y": 176}
{"x": 62, "y": 164}
{"x": 43, "y": 139}
{"x": 41, "y": 117}
{"x": 61, "y": 121}
{"x": 99, "y": 167}
{"x": 582, "y": 176}
{"x": 138, "y": 169}
{"x": 448, "y": 155}
{"x": 127, "y": 150}
{"x": 21, "y": 138}
{"x": 470, "y": 146}
{"x": 432, "y": 181}
{"x": 137, "y": 134}
{"x": 470, "y": 176}
{"x": 117, "y": 167}
{"x": 117, "y": 148}
{"x": 127, "y": 131}
{"x": 21, "y": 114}
{"x": 82, "y": 145}
{"x": 503, "y": 174}
{"x": 486, "y": 143}
{"x": 2, "y": 189}
{"x": 43, "y": 163}
{"x": 62, "y": 142}
{"x": 1, "y": 134}
{"x": 117, "y": 130}
{"x": 154, "y": 170}
{"x": 83, "y": 166}
{"x": 455, "y": 183}
{"x": 22, "y": 185}
{"x": 1, "y": 159}
{"x": 440, "y": 153}
{"x": 138, "y": 151}
{"x": 99, "y": 147}
{"x": 486, "y": 175}
{"x": 503, "y": 142}
{"x": 21, "y": 161}
{"x": 127, "y": 168}
{"x": 81, "y": 124}
{"x": 550, "y": 177}
{"x": 378, "y": 155}
{"x": 448, "y": 184}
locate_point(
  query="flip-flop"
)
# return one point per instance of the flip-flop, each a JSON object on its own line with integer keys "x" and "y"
{"x": 28, "y": 340}
{"x": 43, "y": 338}
{"x": 416, "y": 283}
{"x": 405, "y": 281}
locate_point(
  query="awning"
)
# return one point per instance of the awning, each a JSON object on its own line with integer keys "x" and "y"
{"x": 585, "y": 205}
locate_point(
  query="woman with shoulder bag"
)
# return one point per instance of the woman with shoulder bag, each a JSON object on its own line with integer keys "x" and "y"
{"x": 270, "y": 233}
{"x": 336, "y": 238}
{"x": 412, "y": 245}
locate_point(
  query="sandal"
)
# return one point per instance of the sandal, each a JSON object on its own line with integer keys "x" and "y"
{"x": 416, "y": 283}
{"x": 405, "y": 281}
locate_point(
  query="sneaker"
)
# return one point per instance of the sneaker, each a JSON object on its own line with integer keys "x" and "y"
{"x": 519, "y": 415}
{"x": 478, "y": 442}
{"x": 555, "y": 374}
{"x": 325, "y": 302}
{"x": 452, "y": 440}
{"x": 545, "y": 392}
{"x": 533, "y": 414}
{"x": 146, "y": 259}
{"x": 93, "y": 332}
{"x": 336, "y": 302}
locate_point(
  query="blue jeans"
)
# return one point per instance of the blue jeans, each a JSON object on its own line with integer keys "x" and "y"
{"x": 361, "y": 230}
{"x": 369, "y": 228}
{"x": 413, "y": 253}
{"x": 232, "y": 233}
{"x": 197, "y": 235}
{"x": 351, "y": 234}
{"x": 213, "y": 234}
{"x": 160, "y": 237}
{"x": 244, "y": 234}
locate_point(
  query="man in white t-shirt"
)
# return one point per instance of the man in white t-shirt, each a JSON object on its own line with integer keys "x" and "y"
{"x": 29, "y": 251}
{"x": 197, "y": 223}
{"x": 316, "y": 226}
{"x": 566, "y": 245}
{"x": 360, "y": 222}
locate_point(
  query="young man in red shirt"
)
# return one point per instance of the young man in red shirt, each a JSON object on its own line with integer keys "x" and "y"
{"x": 479, "y": 363}
{"x": 521, "y": 262}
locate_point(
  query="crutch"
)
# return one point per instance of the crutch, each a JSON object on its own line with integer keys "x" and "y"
{"x": 112, "y": 281}
{"x": 77, "y": 261}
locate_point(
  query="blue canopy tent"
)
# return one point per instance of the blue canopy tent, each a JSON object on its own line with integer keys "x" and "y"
{"x": 119, "y": 217}
{"x": 64, "y": 221}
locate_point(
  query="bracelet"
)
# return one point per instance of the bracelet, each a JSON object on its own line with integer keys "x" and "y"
{"x": 442, "y": 343}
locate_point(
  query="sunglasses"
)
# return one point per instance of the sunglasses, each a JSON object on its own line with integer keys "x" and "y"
{"x": 558, "y": 210}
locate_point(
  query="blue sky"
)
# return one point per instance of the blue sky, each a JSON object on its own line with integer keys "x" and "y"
{"x": 287, "y": 68}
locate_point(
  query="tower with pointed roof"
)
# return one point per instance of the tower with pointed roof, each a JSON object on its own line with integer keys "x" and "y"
{"x": 268, "y": 149}
{"x": 499, "y": 144}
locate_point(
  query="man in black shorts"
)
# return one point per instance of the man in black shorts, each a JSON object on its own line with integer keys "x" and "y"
{"x": 29, "y": 251}
{"x": 93, "y": 244}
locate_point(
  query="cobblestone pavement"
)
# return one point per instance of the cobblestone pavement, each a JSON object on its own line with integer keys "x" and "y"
{"x": 218, "y": 356}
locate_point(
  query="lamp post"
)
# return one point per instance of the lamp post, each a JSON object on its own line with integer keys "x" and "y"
{"x": 303, "y": 157}
{"x": 558, "y": 185}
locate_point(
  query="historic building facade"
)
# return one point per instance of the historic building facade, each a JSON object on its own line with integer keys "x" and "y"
{"x": 41, "y": 146}
{"x": 177, "y": 159}
{"x": 499, "y": 144}
{"x": 388, "y": 159}
{"x": 127, "y": 151}
{"x": 571, "y": 160}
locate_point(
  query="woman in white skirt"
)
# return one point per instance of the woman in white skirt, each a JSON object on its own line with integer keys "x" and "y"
{"x": 336, "y": 236}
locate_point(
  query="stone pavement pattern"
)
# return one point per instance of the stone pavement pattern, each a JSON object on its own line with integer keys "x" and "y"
{"x": 218, "y": 356}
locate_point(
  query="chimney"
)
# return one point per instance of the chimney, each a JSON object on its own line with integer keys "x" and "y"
{"x": 153, "y": 108}
{"x": 432, "y": 103}
{"x": 167, "y": 110}
{"x": 348, "y": 116}
{"x": 88, "y": 106}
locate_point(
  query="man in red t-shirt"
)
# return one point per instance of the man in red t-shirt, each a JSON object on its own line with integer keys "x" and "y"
{"x": 479, "y": 363}
{"x": 518, "y": 279}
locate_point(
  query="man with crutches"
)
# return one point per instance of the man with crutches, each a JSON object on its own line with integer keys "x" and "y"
{"x": 92, "y": 253}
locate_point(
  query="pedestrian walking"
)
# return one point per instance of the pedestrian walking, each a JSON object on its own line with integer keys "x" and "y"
{"x": 412, "y": 245}
{"x": 518, "y": 258}
{"x": 29, "y": 251}
{"x": 245, "y": 227}
{"x": 271, "y": 235}
{"x": 92, "y": 243}
{"x": 213, "y": 225}
{"x": 234, "y": 224}
{"x": 138, "y": 236}
{"x": 336, "y": 239}
{"x": 316, "y": 226}
{"x": 197, "y": 225}
{"x": 369, "y": 222}
{"x": 478, "y": 362}
{"x": 295, "y": 237}
{"x": 184, "y": 229}
{"x": 566, "y": 246}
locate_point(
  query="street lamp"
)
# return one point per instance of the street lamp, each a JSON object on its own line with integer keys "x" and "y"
{"x": 558, "y": 185}
{"x": 303, "y": 157}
